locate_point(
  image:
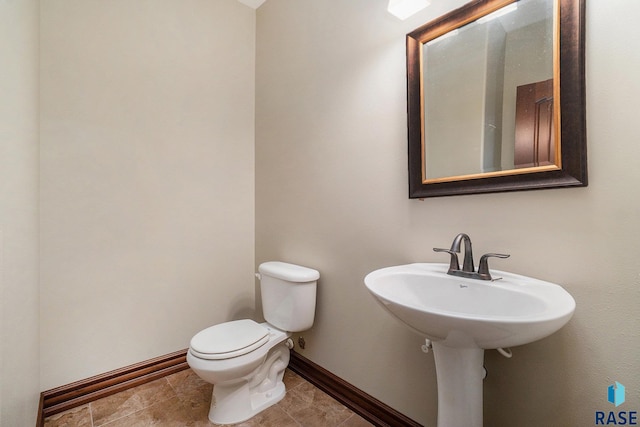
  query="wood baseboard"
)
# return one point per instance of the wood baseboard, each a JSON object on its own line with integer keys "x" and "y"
{"x": 79, "y": 393}
{"x": 363, "y": 404}
{"x": 69, "y": 396}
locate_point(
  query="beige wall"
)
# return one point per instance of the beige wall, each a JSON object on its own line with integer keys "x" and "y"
{"x": 19, "y": 374}
{"x": 147, "y": 178}
{"x": 331, "y": 193}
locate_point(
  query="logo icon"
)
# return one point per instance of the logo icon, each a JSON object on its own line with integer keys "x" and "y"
{"x": 615, "y": 394}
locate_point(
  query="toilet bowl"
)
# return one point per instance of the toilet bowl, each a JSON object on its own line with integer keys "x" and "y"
{"x": 245, "y": 360}
{"x": 246, "y": 380}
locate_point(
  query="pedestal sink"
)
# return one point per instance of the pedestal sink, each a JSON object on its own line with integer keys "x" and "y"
{"x": 462, "y": 317}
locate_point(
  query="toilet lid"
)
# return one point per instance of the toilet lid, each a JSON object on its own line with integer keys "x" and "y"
{"x": 230, "y": 339}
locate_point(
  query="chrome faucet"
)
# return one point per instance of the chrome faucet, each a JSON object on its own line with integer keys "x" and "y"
{"x": 468, "y": 270}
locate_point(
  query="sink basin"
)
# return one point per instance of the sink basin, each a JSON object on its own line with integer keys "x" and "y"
{"x": 458, "y": 312}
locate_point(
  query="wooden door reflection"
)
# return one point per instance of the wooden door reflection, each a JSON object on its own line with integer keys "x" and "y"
{"x": 535, "y": 137}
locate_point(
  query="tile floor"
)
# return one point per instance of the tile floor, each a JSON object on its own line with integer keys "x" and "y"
{"x": 183, "y": 399}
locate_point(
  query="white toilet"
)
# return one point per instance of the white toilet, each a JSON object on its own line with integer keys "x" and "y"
{"x": 245, "y": 360}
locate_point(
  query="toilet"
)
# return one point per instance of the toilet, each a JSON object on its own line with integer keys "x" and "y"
{"x": 245, "y": 360}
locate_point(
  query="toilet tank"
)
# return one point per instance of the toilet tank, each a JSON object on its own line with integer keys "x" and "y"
{"x": 288, "y": 295}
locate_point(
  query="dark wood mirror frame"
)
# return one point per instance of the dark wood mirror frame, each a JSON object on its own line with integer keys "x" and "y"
{"x": 573, "y": 171}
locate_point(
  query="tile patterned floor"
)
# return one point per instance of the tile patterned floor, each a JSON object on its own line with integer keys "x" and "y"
{"x": 183, "y": 399}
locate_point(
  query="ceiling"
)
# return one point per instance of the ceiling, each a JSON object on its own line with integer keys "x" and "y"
{"x": 252, "y": 3}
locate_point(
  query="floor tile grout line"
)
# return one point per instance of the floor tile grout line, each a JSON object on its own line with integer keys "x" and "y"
{"x": 290, "y": 416}
{"x": 111, "y": 421}
{"x": 140, "y": 409}
{"x": 91, "y": 414}
{"x": 287, "y": 412}
{"x": 348, "y": 418}
{"x": 304, "y": 381}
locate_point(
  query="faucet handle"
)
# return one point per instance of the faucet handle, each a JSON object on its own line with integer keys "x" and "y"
{"x": 483, "y": 268}
{"x": 453, "y": 264}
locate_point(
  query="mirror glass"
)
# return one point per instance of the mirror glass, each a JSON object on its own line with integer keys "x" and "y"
{"x": 486, "y": 83}
{"x": 496, "y": 98}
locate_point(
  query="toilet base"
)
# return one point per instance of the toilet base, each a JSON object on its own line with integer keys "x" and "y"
{"x": 233, "y": 408}
{"x": 238, "y": 402}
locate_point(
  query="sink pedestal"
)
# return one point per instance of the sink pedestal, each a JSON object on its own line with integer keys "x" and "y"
{"x": 460, "y": 373}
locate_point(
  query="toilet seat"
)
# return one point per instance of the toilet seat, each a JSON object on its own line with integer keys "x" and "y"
{"x": 229, "y": 340}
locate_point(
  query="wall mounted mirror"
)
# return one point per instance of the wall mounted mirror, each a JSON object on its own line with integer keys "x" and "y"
{"x": 496, "y": 99}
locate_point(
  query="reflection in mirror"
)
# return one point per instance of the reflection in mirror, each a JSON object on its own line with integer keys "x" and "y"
{"x": 472, "y": 77}
{"x": 489, "y": 109}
